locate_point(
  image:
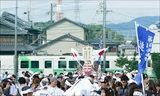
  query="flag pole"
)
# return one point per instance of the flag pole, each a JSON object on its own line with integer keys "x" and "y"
{"x": 79, "y": 63}
{"x": 139, "y": 57}
{"x": 99, "y": 71}
{"x": 75, "y": 55}
{"x": 104, "y": 33}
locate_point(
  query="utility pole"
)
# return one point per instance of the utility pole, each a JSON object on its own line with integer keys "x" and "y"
{"x": 104, "y": 33}
{"x": 28, "y": 15}
{"x": 15, "y": 45}
{"x": 76, "y": 10}
{"x": 51, "y": 18}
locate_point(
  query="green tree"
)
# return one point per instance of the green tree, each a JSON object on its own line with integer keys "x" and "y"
{"x": 156, "y": 63}
{"x": 43, "y": 25}
{"x": 133, "y": 63}
{"x": 96, "y": 31}
{"x": 122, "y": 60}
{"x": 129, "y": 65}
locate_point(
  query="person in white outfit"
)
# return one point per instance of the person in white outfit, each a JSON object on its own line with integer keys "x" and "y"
{"x": 43, "y": 89}
{"x": 53, "y": 90}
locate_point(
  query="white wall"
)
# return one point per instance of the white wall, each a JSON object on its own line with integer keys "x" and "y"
{"x": 156, "y": 42}
{"x": 65, "y": 28}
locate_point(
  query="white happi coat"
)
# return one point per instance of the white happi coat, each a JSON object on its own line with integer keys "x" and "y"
{"x": 82, "y": 87}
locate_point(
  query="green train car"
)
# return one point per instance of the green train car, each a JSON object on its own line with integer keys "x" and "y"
{"x": 49, "y": 64}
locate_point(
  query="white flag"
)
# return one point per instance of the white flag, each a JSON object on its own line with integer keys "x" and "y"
{"x": 75, "y": 54}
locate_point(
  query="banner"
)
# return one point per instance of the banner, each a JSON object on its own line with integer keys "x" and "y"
{"x": 144, "y": 43}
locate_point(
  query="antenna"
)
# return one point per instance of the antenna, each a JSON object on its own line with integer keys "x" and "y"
{"x": 51, "y": 13}
{"x": 77, "y": 11}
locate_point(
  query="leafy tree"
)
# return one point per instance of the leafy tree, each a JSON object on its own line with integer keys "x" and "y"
{"x": 122, "y": 60}
{"x": 156, "y": 63}
{"x": 42, "y": 25}
{"x": 129, "y": 65}
{"x": 96, "y": 31}
{"x": 116, "y": 36}
{"x": 133, "y": 63}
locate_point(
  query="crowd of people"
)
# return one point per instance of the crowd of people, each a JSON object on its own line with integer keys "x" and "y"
{"x": 108, "y": 84}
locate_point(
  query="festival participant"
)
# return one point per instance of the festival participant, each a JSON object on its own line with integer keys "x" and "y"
{"x": 94, "y": 85}
{"x": 43, "y": 89}
{"x": 152, "y": 88}
{"x": 123, "y": 90}
{"x": 13, "y": 88}
{"x": 158, "y": 87}
{"x": 146, "y": 81}
{"x": 131, "y": 88}
{"x": 117, "y": 76}
{"x": 69, "y": 81}
{"x": 61, "y": 82}
{"x": 117, "y": 87}
{"x": 6, "y": 84}
{"x": 53, "y": 90}
{"x": 149, "y": 86}
{"x": 105, "y": 89}
{"x": 41, "y": 75}
{"x": 35, "y": 85}
{"x": 1, "y": 91}
{"x": 5, "y": 75}
{"x": 23, "y": 89}
{"x": 50, "y": 76}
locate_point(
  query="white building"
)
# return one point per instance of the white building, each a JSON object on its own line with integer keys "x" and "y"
{"x": 156, "y": 43}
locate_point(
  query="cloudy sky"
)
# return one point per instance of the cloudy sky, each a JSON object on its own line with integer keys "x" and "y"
{"x": 89, "y": 10}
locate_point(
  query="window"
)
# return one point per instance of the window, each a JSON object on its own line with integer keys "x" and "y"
{"x": 82, "y": 63}
{"x": 34, "y": 64}
{"x": 106, "y": 64}
{"x": 73, "y": 64}
{"x": 107, "y": 35}
{"x": 24, "y": 64}
{"x": 61, "y": 64}
{"x": 48, "y": 64}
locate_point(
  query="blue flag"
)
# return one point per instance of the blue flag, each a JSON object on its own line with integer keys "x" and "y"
{"x": 145, "y": 39}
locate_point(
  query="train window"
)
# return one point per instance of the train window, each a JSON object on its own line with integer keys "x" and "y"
{"x": 61, "y": 64}
{"x": 73, "y": 64}
{"x": 82, "y": 63}
{"x": 34, "y": 64}
{"x": 48, "y": 64}
{"x": 24, "y": 64}
{"x": 106, "y": 64}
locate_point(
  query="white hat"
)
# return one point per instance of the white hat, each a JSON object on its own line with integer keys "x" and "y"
{"x": 9, "y": 76}
{"x": 102, "y": 79}
{"x": 53, "y": 79}
{"x": 137, "y": 93}
{"x": 44, "y": 80}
